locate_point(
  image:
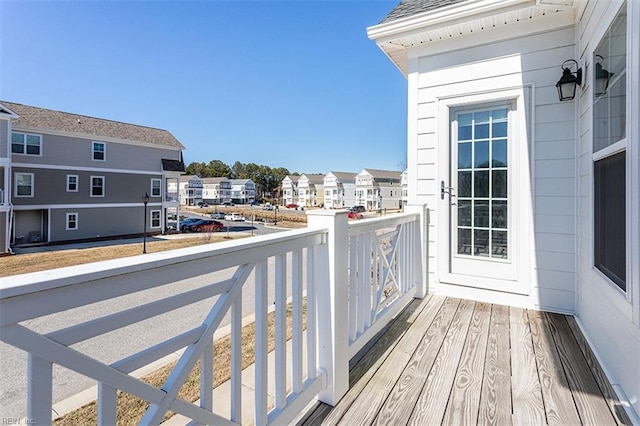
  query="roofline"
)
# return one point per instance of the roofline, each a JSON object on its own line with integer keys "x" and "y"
{"x": 395, "y": 28}
{"x": 11, "y": 114}
{"x": 99, "y": 138}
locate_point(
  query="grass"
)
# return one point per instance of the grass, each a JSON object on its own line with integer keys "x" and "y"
{"x": 34, "y": 262}
{"x": 130, "y": 409}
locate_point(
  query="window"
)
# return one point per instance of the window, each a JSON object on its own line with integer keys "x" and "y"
{"x": 72, "y": 221}
{"x": 155, "y": 187}
{"x": 72, "y": 183}
{"x": 24, "y": 184}
{"x": 97, "y": 186}
{"x": 155, "y": 218}
{"x": 27, "y": 144}
{"x": 609, "y": 153}
{"x": 98, "y": 151}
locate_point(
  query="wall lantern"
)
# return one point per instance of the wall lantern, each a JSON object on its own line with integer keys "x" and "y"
{"x": 567, "y": 84}
{"x": 602, "y": 77}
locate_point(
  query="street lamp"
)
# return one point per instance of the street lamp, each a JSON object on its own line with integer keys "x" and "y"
{"x": 275, "y": 212}
{"x": 145, "y": 200}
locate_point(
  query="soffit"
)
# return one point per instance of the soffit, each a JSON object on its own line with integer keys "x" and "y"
{"x": 396, "y": 38}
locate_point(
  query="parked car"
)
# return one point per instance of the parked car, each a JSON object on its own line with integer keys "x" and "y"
{"x": 267, "y": 207}
{"x": 205, "y": 225}
{"x": 228, "y": 204}
{"x": 202, "y": 204}
{"x": 184, "y": 223}
{"x": 358, "y": 209}
{"x": 234, "y": 217}
{"x": 217, "y": 215}
{"x": 292, "y": 206}
{"x": 354, "y": 215}
{"x": 255, "y": 203}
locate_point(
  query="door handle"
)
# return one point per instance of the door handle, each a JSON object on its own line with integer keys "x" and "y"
{"x": 445, "y": 190}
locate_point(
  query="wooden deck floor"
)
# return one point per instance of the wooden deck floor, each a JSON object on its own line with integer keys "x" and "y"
{"x": 450, "y": 361}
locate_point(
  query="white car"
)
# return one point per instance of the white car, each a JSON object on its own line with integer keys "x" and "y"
{"x": 234, "y": 217}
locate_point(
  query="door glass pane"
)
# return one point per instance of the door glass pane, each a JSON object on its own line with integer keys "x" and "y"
{"x": 464, "y": 212}
{"x": 499, "y": 153}
{"x": 481, "y": 243}
{"x": 499, "y": 184}
{"x": 481, "y": 183}
{"x": 464, "y": 184}
{"x": 464, "y": 241}
{"x": 499, "y": 244}
{"x": 481, "y": 157}
{"x": 464, "y": 155}
{"x": 481, "y": 214}
{"x": 482, "y": 196}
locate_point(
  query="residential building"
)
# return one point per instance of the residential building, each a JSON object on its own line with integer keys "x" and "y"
{"x": 216, "y": 190}
{"x": 339, "y": 190}
{"x": 243, "y": 191}
{"x": 403, "y": 185}
{"x": 191, "y": 190}
{"x": 310, "y": 190}
{"x": 378, "y": 189}
{"x": 70, "y": 177}
{"x": 290, "y": 190}
{"x": 523, "y": 139}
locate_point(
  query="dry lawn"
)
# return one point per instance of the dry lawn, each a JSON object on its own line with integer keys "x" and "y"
{"x": 131, "y": 409}
{"x": 34, "y": 262}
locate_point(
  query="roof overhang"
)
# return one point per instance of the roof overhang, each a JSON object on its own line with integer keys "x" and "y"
{"x": 397, "y": 37}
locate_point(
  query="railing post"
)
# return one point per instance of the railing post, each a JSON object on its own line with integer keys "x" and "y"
{"x": 423, "y": 211}
{"x": 332, "y": 303}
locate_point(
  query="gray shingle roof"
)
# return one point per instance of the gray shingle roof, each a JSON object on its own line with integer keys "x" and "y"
{"x": 314, "y": 177}
{"x": 407, "y": 8}
{"x": 384, "y": 174}
{"x": 345, "y": 176}
{"x": 46, "y": 119}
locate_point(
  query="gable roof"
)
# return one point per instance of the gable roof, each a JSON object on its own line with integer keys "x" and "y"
{"x": 47, "y": 119}
{"x": 407, "y": 8}
{"x": 315, "y": 178}
{"x": 382, "y": 174}
{"x": 344, "y": 176}
{"x": 210, "y": 180}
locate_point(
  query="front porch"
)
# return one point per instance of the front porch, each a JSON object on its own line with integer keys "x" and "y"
{"x": 454, "y": 361}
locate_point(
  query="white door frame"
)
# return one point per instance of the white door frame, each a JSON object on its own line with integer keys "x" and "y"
{"x": 521, "y": 182}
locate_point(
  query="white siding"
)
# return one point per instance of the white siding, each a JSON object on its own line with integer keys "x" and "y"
{"x": 605, "y": 313}
{"x": 533, "y": 60}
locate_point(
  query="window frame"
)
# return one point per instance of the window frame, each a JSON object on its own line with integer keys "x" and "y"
{"x": 151, "y": 189}
{"x": 104, "y": 181}
{"x": 68, "y": 220}
{"x": 77, "y": 183}
{"x": 158, "y": 219}
{"x": 32, "y": 186}
{"x": 94, "y": 151}
{"x": 609, "y": 151}
{"x": 25, "y": 144}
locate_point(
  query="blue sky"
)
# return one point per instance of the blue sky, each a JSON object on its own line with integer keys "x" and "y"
{"x": 293, "y": 84}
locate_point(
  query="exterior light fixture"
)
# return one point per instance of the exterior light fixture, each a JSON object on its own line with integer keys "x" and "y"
{"x": 145, "y": 200}
{"x": 570, "y": 79}
{"x": 602, "y": 77}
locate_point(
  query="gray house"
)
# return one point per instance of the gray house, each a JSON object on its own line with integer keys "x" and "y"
{"x": 69, "y": 177}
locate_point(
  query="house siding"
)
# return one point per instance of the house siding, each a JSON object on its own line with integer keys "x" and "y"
{"x": 4, "y": 143}
{"x": 66, "y": 151}
{"x": 50, "y": 187}
{"x": 527, "y": 61}
{"x": 606, "y": 314}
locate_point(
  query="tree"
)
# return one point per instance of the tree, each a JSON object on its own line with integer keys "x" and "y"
{"x": 217, "y": 168}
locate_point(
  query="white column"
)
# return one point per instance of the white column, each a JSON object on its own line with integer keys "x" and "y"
{"x": 332, "y": 303}
{"x": 423, "y": 211}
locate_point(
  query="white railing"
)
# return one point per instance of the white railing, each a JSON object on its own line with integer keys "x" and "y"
{"x": 358, "y": 274}
{"x": 384, "y": 273}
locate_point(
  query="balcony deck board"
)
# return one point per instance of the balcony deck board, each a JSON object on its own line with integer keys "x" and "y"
{"x": 451, "y": 361}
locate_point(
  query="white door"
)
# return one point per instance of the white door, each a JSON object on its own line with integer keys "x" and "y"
{"x": 479, "y": 198}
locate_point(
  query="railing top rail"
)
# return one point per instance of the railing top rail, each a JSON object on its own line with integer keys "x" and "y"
{"x": 226, "y": 254}
{"x": 373, "y": 224}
